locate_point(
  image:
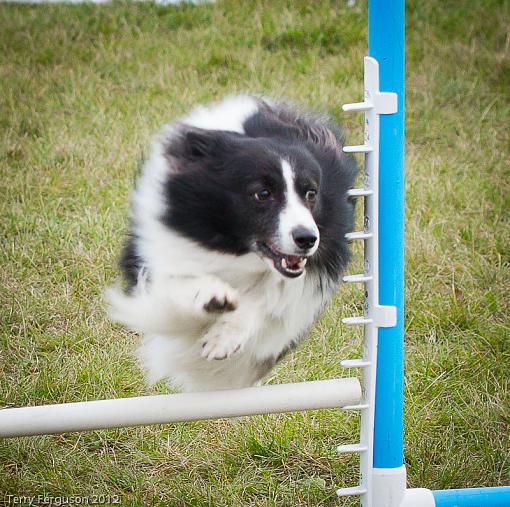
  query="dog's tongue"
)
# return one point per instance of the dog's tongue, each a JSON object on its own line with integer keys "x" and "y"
{"x": 293, "y": 261}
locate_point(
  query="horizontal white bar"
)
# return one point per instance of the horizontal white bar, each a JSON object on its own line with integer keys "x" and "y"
{"x": 355, "y": 491}
{"x": 358, "y": 235}
{"x": 357, "y": 192}
{"x": 355, "y": 321}
{"x": 351, "y": 448}
{"x": 357, "y": 278}
{"x": 136, "y": 411}
{"x": 358, "y": 106}
{"x": 354, "y": 363}
{"x": 361, "y": 148}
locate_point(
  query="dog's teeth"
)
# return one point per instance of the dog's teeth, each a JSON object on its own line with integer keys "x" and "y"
{"x": 284, "y": 263}
{"x": 302, "y": 263}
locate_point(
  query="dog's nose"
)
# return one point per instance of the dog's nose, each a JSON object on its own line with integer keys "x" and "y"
{"x": 304, "y": 238}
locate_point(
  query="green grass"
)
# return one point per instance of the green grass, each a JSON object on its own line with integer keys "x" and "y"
{"x": 81, "y": 90}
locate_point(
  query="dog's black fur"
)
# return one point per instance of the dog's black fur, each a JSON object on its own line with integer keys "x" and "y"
{"x": 217, "y": 170}
{"x": 207, "y": 185}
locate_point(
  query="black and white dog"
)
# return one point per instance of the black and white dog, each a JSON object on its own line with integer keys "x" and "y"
{"x": 237, "y": 241}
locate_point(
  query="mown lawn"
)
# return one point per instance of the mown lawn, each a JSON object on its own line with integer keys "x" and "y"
{"x": 82, "y": 88}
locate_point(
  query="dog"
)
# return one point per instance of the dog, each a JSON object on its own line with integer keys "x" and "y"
{"x": 236, "y": 241}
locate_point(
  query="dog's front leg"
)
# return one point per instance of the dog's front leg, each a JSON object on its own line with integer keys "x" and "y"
{"x": 202, "y": 295}
{"x": 172, "y": 305}
{"x": 229, "y": 333}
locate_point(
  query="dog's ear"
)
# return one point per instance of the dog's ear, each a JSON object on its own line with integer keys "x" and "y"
{"x": 198, "y": 144}
{"x": 195, "y": 145}
{"x": 201, "y": 143}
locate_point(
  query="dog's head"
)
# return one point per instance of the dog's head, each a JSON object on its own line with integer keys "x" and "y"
{"x": 237, "y": 194}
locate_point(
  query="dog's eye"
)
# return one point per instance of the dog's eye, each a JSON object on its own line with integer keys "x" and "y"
{"x": 311, "y": 195}
{"x": 263, "y": 195}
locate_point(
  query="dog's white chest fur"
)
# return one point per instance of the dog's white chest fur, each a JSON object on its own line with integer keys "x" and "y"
{"x": 200, "y": 350}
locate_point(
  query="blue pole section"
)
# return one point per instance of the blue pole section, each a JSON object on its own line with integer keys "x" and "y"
{"x": 386, "y": 45}
{"x": 473, "y": 497}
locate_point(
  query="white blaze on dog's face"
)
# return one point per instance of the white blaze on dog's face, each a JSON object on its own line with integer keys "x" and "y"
{"x": 297, "y": 229}
{"x": 297, "y": 236}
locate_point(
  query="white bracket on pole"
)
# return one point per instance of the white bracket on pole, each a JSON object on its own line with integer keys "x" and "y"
{"x": 375, "y": 315}
{"x": 385, "y": 316}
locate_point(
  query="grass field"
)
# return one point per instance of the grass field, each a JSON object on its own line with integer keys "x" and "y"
{"x": 81, "y": 90}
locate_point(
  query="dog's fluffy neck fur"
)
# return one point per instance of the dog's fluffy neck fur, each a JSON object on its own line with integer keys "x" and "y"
{"x": 172, "y": 277}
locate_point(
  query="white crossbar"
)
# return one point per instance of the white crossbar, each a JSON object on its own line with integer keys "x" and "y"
{"x": 166, "y": 408}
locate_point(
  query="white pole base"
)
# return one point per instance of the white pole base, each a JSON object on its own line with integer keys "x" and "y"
{"x": 418, "y": 497}
{"x": 389, "y": 490}
{"x": 388, "y": 486}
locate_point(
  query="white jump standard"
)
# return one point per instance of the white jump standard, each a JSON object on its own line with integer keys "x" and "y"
{"x": 382, "y": 470}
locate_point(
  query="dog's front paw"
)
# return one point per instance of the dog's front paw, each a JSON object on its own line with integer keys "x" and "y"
{"x": 215, "y": 305}
{"x": 216, "y": 297}
{"x": 221, "y": 343}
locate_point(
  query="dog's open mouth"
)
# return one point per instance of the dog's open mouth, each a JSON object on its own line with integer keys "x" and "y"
{"x": 290, "y": 266}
